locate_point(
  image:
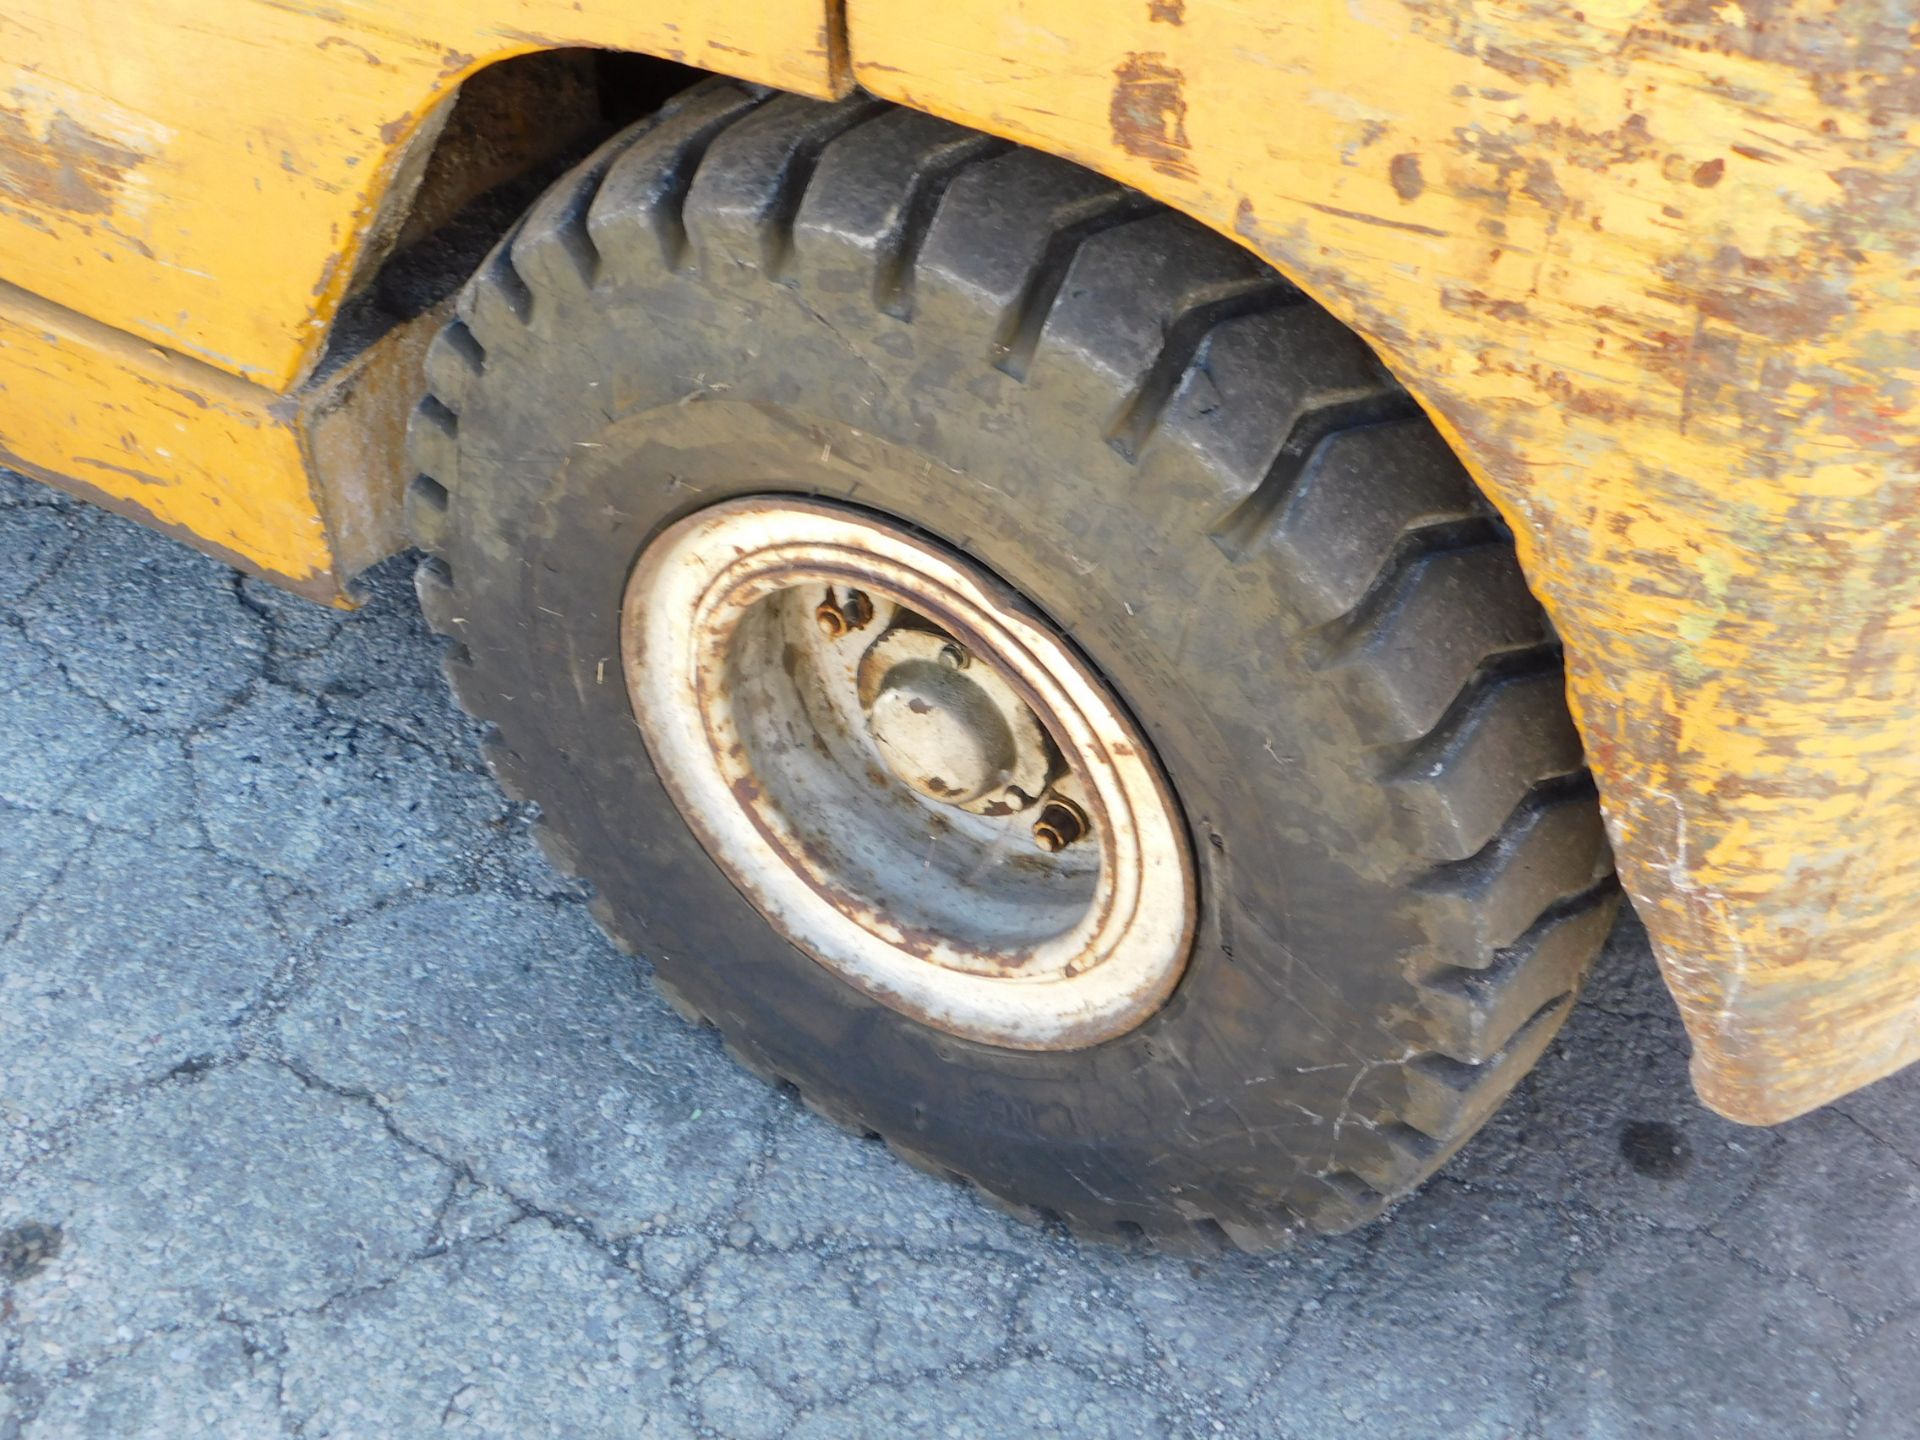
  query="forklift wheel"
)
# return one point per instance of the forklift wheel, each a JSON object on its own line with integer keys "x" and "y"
{"x": 1014, "y": 665}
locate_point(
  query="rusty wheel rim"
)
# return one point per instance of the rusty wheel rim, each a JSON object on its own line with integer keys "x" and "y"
{"x": 916, "y": 779}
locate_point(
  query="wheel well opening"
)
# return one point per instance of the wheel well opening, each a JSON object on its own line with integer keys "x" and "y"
{"x": 479, "y": 162}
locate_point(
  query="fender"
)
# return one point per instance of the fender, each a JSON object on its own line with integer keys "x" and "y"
{"x": 1650, "y": 264}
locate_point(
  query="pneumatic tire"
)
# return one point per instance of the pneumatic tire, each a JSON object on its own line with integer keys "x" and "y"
{"x": 1200, "y": 477}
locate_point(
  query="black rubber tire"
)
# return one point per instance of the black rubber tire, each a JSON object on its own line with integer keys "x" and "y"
{"x": 1208, "y": 482}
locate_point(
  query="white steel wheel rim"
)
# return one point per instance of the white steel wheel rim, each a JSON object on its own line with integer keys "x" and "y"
{"x": 978, "y": 931}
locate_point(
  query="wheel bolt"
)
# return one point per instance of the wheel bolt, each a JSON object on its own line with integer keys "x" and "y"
{"x": 837, "y": 617}
{"x": 954, "y": 658}
{"x": 1061, "y": 823}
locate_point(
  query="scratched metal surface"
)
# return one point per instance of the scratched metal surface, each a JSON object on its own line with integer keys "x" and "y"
{"x": 1650, "y": 265}
{"x": 325, "y": 1111}
{"x": 156, "y": 176}
{"x": 180, "y": 223}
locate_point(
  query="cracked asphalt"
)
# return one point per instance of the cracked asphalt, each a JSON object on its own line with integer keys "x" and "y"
{"x": 326, "y": 1111}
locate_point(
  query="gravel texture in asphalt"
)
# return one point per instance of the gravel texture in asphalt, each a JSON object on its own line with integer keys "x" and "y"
{"x": 326, "y": 1111}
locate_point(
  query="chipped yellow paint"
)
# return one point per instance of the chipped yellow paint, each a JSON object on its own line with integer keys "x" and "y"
{"x": 187, "y": 188}
{"x": 177, "y": 444}
{"x": 202, "y": 174}
{"x": 1652, "y": 266}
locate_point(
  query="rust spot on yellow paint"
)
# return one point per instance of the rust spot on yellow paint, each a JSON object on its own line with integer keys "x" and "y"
{"x": 1167, "y": 12}
{"x": 1404, "y": 171}
{"x": 1708, "y": 175}
{"x": 1500, "y": 308}
{"x": 1772, "y": 299}
{"x": 1148, "y": 112}
{"x": 1517, "y": 66}
{"x": 69, "y": 170}
{"x": 353, "y": 47}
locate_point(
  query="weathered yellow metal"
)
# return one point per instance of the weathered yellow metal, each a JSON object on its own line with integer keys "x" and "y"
{"x": 202, "y": 181}
{"x": 203, "y": 175}
{"x": 303, "y": 489}
{"x": 1652, "y": 265}
{"x": 185, "y": 447}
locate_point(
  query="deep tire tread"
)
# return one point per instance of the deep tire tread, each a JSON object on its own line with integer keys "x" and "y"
{"x": 1013, "y": 349}
{"x": 742, "y": 207}
{"x": 426, "y": 513}
{"x": 1186, "y": 338}
{"x": 1552, "y": 848}
{"x": 1482, "y": 1007}
{"x": 433, "y": 585}
{"x": 497, "y": 299}
{"x": 1248, "y": 522}
{"x": 649, "y": 181}
{"x": 454, "y": 360}
{"x": 1464, "y": 780}
{"x": 893, "y": 293}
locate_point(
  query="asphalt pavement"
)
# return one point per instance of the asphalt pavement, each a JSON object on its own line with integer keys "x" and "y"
{"x": 325, "y": 1111}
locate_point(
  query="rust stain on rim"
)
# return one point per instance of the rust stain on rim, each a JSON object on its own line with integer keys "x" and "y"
{"x": 956, "y": 914}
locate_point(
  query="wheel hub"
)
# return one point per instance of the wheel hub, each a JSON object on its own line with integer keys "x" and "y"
{"x": 954, "y": 730}
{"x": 916, "y": 781}
{"x": 940, "y": 733}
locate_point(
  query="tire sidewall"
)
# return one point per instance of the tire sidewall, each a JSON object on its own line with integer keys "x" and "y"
{"x": 605, "y": 422}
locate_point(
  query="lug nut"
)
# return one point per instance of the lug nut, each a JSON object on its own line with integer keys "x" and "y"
{"x": 837, "y": 617}
{"x": 1061, "y": 823}
{"x": 954, "y": 658}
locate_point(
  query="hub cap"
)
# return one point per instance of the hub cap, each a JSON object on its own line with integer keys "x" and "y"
{"x": 913, "y": 777}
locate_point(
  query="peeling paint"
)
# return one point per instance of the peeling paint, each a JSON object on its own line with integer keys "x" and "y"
{"x": 141, "y": 155}
{"x": 1148, "y": 113}
{"x": 67, "y": 169}
{"x": 1405, "y": 173}
{"x": 1656, "y": 284}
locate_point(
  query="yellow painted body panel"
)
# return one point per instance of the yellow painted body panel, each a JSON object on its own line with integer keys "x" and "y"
{"x": 201, "y": 180}
{"x": 201, "y": 173}
{"x": 175, "y": 443}
{"x": 1652, "y": 264}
